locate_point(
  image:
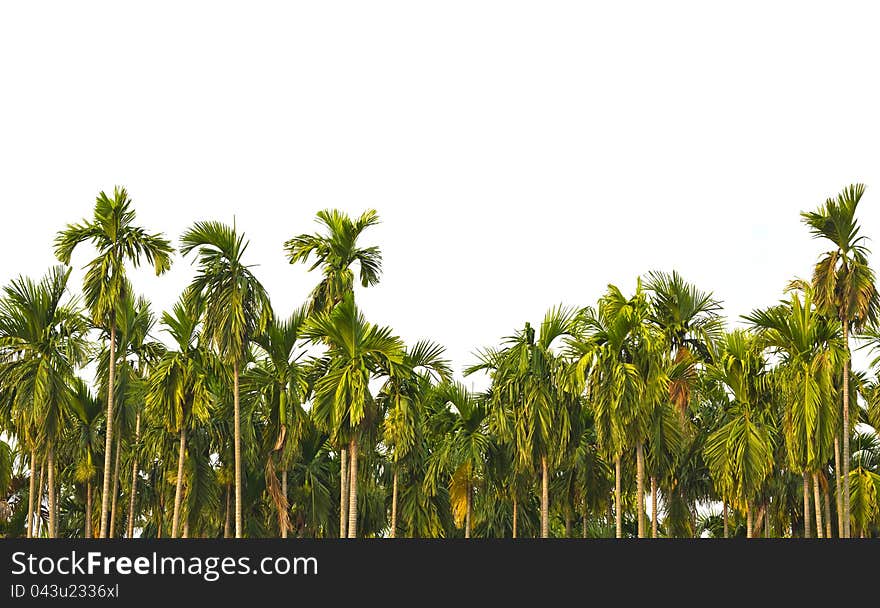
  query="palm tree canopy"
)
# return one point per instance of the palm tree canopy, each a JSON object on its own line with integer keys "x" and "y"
{"x": 842, "y": 280}
{"x": 356, "y": 352}
{"x": 335, "y": 252}
{"x": 118, "y": 240}
{"x": 235, "y": 306}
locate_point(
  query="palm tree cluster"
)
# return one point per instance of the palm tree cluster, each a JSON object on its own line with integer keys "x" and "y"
{"x": 641, "y": 415}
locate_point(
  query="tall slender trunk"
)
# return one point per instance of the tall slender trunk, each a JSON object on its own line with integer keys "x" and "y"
{"x": 617, "y": 509}
{"x": 284, "y": 493}
{"x": 353, "y": 488}
{"x": 227, "y": 527}
{"x": 749, "y": 520}
{"x": 838, "y": 495}
{"x": 846, "y": 523}
{"x": 134, "y": 475}
{"x": 567, "y": 521}
{"x": 186, "y": 527}
{"x": 545, "y": 498}
{"x": 807, "y": 515}
{"x": 827, "y": 499}
{"x": 640, "y": 487}
{"x": 394, "y": 505}
{"x": 343, "y": 493}
{"x": 108, "y": 442}
{"x": 112, "y": 529}
{"x": 237, "y": 422}
{"x": 584, "y": 520}
{"x": 470, "y": 505}
{"x": 31, "y": 489}
{"x": 39, "y": 505}
{"x": 53, "y": 531}
{"x": 88, "y": 526}
{"x": 653, "y": 506}
{"x": 515, "y": 514}
{"x": 818, "y": 503}
{"x": 178, "y": 488}
{"x": 724, "y": 516}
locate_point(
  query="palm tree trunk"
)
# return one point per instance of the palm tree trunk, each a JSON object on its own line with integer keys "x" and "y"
{"x": 39, "y": 505}
{"x": 284, "y": 493}
{"x": 227, "y": 527}
{"x": 352, "y": 488}
{"x": 343, "y": 493}
{"x": 567, "y": 521}
{"x": 31, "y": 489}
{"x": 108, "y": 442}
{"x": 749, "y": 520}
{"x": 470, "y": 505}
{"x": 394, "y": 505}
{"x": 178, "y": 488}
{"x": 724, "y": 516}
{"x": 818, "y": 503}
{"x": 846, "y": 524}
{"x": 640, "y": 487}
{"x": 134, "y": 475}
{"x": 88, "y": 526}
{"x": 807, "y": 533}
{"x": 515, "y": 514}
{"x": 51, "y": 491}
{"x": 584, "y": 521}
{"x": 617, "y": 510}
{"x": 653, "y": 506}
{"x": 237, "y": 423}
{"x": 112, "y": 530}
{"x": 838, "y": 496}
{"x": 545, "y": 498}
{"x": 827, "y": 498}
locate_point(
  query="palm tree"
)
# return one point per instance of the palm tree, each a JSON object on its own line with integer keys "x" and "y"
{"x": 357, "y": 352}
{"x": 42, "y": 341}
{"x": 531, "y": 385}
{"x": 178, "y": 392}
{"x": 811, "y": 348}
{"x": 402, "y": 396}
{"x": 739, "y": 453}
{"x": 118, "y": 240}
{"x": 464, "y": 442}
{"x": 618, "y": 356}
{"x": 843, "y": 286}
{"x": 279, "y": 378}
{"x": 86, "y": 431}
{"x": 335, "y": 252}
{"x": 235, "y": 307}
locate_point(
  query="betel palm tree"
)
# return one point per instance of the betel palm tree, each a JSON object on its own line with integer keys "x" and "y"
{"x": 811, "y": 348}
{"x": 178, "y": 392}
{"x": 235, "y": 307}
{"x": 613, "y": 358}
{"x": 357, "y": 352}
{"x": 42, "y": 342}
{"x": 118, "y": 241}
{"x": 843, "y": 287}
{"x": 402, "y": 396}
{"x": 739, "y": 452}
{"x": 460, "y": 454}
{"x": 280, "y": 379}
{"x": 531, "y": 384}
{"x": 85, "y": 445}
{"x": 335, "y": 252}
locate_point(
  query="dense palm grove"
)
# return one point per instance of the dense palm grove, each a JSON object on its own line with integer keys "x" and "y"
{"x": 641, "y": 415}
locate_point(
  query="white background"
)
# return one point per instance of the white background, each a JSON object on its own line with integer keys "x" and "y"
{"x": 520, "y": 154}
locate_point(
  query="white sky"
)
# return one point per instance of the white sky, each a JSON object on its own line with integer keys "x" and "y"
{"x": 520, "y": 154}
